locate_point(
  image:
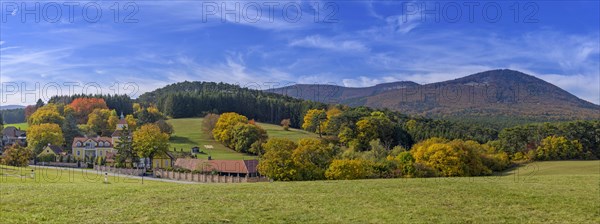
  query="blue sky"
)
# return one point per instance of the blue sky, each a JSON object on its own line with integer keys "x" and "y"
{"x": 350, "y": 43}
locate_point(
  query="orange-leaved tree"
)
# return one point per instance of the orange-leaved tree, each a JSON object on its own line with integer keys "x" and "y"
{"x": 84, "y": 106}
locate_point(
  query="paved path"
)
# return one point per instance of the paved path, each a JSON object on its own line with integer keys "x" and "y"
{"x": 111, "y": 175}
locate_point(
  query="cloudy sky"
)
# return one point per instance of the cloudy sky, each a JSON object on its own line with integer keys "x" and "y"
{"x": 88, "y": 47}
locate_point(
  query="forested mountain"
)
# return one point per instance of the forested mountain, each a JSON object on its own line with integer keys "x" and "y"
{"x": 503, "y": 97}
{"x": 190, "y": 99}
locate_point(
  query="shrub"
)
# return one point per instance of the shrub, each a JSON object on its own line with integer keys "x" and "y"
{"x": 312, "y": 158}
{"x": 422, "y": 170}
{"x": 455, "y": 158}
{"x": 277, "y": 162}
{"x": 16, "y": 155}
{"x": 46, "y": 158}
{"x": 386, "y": 169}
{"x": 405, "y": 163}
{"x": 496, "y": 161}
{"x": 559, "y": 148}
{"x": 349, "y": 169}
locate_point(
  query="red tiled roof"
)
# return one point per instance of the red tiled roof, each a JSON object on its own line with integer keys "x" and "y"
{"x": 224, "y": 166}
{"x": 95, "y": 139}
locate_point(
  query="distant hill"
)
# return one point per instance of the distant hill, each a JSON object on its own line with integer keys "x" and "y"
{"x": 10, "y": 107}
{"x": 499, "y": 96}
{"x": 339, "y": 94}
{"x": 194, "y": 99}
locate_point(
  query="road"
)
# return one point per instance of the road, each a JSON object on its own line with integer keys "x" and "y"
{"x": 111, "y": 176}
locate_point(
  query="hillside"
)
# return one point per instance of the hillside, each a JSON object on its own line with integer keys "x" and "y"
{"x": 543, "y": 192}
{"x": 497, "y": 94}
{"x": 338, "y": 94}
{"x": 195, "y": 99}
{"x": 188, "y": 134}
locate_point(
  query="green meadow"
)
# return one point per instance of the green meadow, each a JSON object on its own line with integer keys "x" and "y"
{"x": 22, "y": 126}
{"x": 541, "y": 192}
{"x": 188, "y": 133}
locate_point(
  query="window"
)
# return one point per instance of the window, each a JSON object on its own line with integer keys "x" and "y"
{"x": 101, "y": 144}
{"x": 77, "y": 152}
{"x": 78, "y": 144}
{"x": 166, "y": 163}
{"x": 100, "y": 151}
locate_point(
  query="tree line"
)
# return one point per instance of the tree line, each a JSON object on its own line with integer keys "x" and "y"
{"x": 13, "y": 116}
{"x": 119, "y": 103}
{"x": 195, "y": 99}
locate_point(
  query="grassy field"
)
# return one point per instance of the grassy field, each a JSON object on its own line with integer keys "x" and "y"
{"x": 546, "y": 192}
{"x": 276, "y": 131}
{"x": 23, "y": 126}
{"x": 188, "y": 134}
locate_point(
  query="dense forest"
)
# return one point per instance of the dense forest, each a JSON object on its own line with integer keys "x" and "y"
{"x": 13, "y": 116}
{"x": 193, "y": 99}
{"x": 120, "y": 103}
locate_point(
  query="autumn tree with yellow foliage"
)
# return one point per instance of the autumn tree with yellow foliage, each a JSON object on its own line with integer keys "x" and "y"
{"x": 149, "y": 141}
{"x": 46, "y": 114}
{"x": 39, "y": 136}
{"x": 314, "y": 121}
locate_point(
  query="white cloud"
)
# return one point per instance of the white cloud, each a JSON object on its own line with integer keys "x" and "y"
{"x": 364, "y": 81}
{"x": 316, "y": 41}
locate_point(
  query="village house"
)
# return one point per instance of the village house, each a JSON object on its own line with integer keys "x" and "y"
{"x": 52, "y": 150}
{"x": 163, "y": 160}
{"x": 88, "y": 148}
{"x": 12, "y": 135}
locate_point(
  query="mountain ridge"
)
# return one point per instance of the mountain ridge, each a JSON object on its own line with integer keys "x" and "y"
{"x": 494, "y": 93}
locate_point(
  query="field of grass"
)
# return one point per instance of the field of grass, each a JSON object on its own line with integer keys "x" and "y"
{"x": 545, "y": 192}
{"x": 23, "y": 126}
{"x": 276, "y": 131}
{"x": 188, "y": 133}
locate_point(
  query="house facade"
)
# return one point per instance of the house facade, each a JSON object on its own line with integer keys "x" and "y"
{"x": 163, "y": 160}
{"x": 52, "y": 150}
{"x": 89, "y": 148}
{"x": 12, "y": 135}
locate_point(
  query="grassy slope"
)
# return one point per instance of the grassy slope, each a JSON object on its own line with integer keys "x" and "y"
{"x": 188, "y": 134}
{"x": 558, "y": 192}
{"x": 23, "y": 126}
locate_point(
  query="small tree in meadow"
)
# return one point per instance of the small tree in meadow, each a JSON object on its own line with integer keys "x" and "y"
{"x": 285, "y": 123}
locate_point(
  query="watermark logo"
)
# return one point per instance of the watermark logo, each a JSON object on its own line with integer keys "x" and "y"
{"x": 255, "y": 12}
{"x": 455, "y": 12}
{"x": 69, "y": 12}
{"x": 28, "y": 92}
